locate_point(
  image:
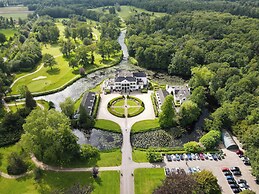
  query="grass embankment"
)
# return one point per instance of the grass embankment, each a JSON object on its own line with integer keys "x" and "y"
{"x": 107, "y": 158}
{"x": 145, "y": 125}
{"x": 107, "y": 125}
{"x": 18, "y": 105}
{"x": 15, "y": 12}
{"x": 146, "y": 180}
{"x": 8, "y": 32}
{"x": 107, "y": 182}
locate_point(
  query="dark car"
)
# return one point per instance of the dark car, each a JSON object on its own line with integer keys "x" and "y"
{"x": 226, "y": 173}
{"x": 231, "y": 181}
{"x": 242, "y": 181}
{"x": 169, "y": 158}
{"x": 236, "y": 190}
{"x": 235, "y": 169}
{"x": 181, "y": 157}
{"x": 219, "y": 157}
{"x": 214, "y": 156}
{"x": 229, "y": 177}
{"x": 234, "y": 185}
{"x": 189, "y": 156}
{"x": 237, "y": 173}
{"x": 239, "y": 152}
{"x": 247, "y": 162}
{"x": 167, "y": 171}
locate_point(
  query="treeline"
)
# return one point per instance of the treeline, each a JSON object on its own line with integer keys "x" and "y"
{"x": 66, "y": 7}
{"x": 6, "y": 22}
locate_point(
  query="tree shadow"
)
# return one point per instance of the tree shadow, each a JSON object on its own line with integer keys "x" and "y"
{"x": 98, "y": 180}
{"x": 53, "y": 71}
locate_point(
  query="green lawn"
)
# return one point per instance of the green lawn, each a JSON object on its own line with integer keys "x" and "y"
{"x": 139, "y": 156}
{"x": 146, "y": 180}
{"x": 132, "y": 110}
{"x": 107, "y": 182}
{"x": 131, "y": 102}
{"x": 119, "y": 102}
{"x": 15, "y": 12}
{"x": 127, "y": 11}
{"x": 107, "y": 125}
{"x": 119, "y": 110}
{"x": 145, "y": 125}
{"x": 8, "y": 32}
{"x": 111, "y": 158}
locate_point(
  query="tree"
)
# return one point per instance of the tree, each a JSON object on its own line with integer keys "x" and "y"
{"x": 68, "y": 107}
{"x": 199, "y": 96}
{"x": 207, "y": 182}
{"x": 193, "y": 147}
{"x": 49, "y": 137}
{"x": 2, "y": 38}
{"x": 67, "y": 47}
{"x": 16, "y": 165}
{"x": 82, "y": 55}
{"x": 210, "y": 139}
{"x": 95, "y": 172}
{"x": 85, "y": 120}
{"x": 73, "y": 62}
{"x": 48, "y": 60}
{"x": 247, "y": 192}
{"x": 189, "y": 112}
{"x": 29, "y": 101}
{"x": 166, "y": 117}
{"x": 179, "y": 183}
{"x": 201, "y": 76}
{"x": 88, "y": 152}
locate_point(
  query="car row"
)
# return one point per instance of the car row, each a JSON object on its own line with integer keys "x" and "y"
{"x": 169, "y": 171}
{"x": 236, "y": 186}
{"x": 192, "y": 156}
{"x": 245, "y": 159}
{"x": 192, "y": 170}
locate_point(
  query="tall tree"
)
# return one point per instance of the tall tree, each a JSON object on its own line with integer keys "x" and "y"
{"x": 189, "y": 112}
{"x": 167, "y": 115}
{"x": 68, "y": 107}
{"x": 29, "y": 101}
{"x": 48, "y": 60}
{"x": 85, "y": 120}
{"x": 49, "y": 137}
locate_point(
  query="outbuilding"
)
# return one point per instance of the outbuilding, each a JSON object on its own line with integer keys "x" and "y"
{"x": 228, "y": 141}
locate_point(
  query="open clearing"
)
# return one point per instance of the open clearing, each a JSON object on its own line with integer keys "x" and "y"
{"x": 15, "y": 12}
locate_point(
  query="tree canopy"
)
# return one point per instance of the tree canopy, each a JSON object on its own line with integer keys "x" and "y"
{"x": 167, "y": 115}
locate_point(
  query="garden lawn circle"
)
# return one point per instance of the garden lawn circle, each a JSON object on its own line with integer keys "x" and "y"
{"x": 118, "y": 106}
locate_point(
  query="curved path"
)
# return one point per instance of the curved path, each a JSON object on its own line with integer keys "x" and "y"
{"x": 41, "y": 66}
{"x": 7, "y": 176}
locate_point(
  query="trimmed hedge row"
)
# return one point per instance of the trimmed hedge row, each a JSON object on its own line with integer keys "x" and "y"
{"x": 153, "y": 99}
{"x": 140, "y": 110}
{"x": 35, "y": 94}
{"x": 96, "y": 105}
{"x": 115, "y": 113}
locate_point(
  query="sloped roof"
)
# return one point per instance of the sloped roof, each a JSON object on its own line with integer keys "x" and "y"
{"x": 139, "y": 74}
{"x": 228, "y": 141}
{"x": 130, "y": 79}
{"x": 88, "y": 101}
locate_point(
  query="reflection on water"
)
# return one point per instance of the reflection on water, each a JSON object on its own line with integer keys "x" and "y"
{"x": 103, "y": 140}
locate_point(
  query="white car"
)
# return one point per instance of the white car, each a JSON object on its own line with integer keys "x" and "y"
{"x": 209, "y": 156}
{"x": 193, "y": 156}
{"x": 185, "y": 156}
{"x": 173, "y": 157}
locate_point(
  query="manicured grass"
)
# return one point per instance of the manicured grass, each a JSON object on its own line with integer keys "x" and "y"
{"x": 131, "y": 102}
{"x": 139, "y": 156}
{"x": 146, "y": 180}
{"x": 107, "y": 182}
{"x": 120, "y": 102}
{"x": 127, "y": 11}
{"x": 145, "y": 125}
{"x": 119, "y": 110}
{"x": 109, "y": 158}
{"x": 8, "y": 32}
{"x": 107, "y": 125}
{"x": 132, "y": 110}
{"x": 15, "y": 12}
{"x": 15, "y": 108}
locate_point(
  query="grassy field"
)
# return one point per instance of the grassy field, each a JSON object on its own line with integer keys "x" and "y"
{"x": 146, "y": 180}
{"x": 131, "y": 102}
{"x": 127, "y": 11}
{"x": 107, "y": 182}
{"x": 111, "y": 158}
{"x": 107, "y": 125}
{"x": 145, "y": 125}
{"x": 15, "y": 12}
{"x": 119, "y": 102}
{"x": 139, "y": 156}
{"x": 8, "y": 32}
{"x": 119, "y": 110}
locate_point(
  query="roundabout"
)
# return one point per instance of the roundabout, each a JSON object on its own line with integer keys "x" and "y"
{"x": 123, "y": 106}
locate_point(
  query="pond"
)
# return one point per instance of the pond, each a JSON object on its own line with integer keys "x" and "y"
{"x": 103, "y": 140}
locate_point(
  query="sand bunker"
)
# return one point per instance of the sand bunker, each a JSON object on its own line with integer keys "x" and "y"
{"x": 40, "y": 77}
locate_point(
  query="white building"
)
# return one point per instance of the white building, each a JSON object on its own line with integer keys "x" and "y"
{"x": 180, "y": 93}
{"x": 126, "y": 81}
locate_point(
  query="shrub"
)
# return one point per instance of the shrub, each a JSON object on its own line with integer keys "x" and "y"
{"x": 193, "y": 147}
{"x": 154, "y": 157}
{"x": 16, "y": 165}
{"x": 37, "y": 174}
{"x": 96, "y": 105}
{"x": 210, "y": 139}
{"x": 153, "y": 99}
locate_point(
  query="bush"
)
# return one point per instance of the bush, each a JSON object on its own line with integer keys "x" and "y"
{"x": 154, "y": 157}
{"x": 96, "y": 105}
{"x": 144, "y": 90}
{"x": 193, "y": 147}
{"x": 16, "y": 165}
{"x": 37, "y": 174}
{"x": 153, "y": 99}
{"x": 210, "y": 139}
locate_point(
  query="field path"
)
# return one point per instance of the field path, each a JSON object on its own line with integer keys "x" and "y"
{"x": 32, "y": 72}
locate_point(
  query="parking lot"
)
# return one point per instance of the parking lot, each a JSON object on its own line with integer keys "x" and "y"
{"x": 231, "y": 160}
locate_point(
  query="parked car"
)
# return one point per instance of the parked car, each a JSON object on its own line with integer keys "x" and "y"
{"x": 224, "y": 169}
{"x": 173, "y": 170}
{"x": 229, "y": 177}
{"x": 169, "y": 158}
{"x": 173, "y": 157}
{"x": 209, "y": 156}
{"x": 235, "y": 168}
{"x": 236, "y": 190}
{"x": 177, "y": 157}
{"x": 206, "y": 156}
{"x": 226, "y": 173}
{"x": 237, "y": 173}
{"x": 247, "y": 162}
{"x": 202, "y": 156}
{"x": 189, "y": 156}
{"x": 234, "y": 185}
{"x": 185, "y": 156}
{"x": 197, "y": 156}
{"x": 243, "y": 186}
{"x": 181, "y": 156}
{"x": 167, "y": 171}
{"x": 214, "y": 156}
{"x": 231, "y": 181}
{"x": 219, "y": 157}
{"x": 239, "y": 152}
{"x": 242, "y": 181}
{"x": 193, "y": 156}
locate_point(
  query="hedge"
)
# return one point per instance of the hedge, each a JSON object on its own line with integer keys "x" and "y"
{"x": 153, "y": 99}
{"x": 115, "y": 113}
{"x": 140, "y": 110}
{"x": 96, "y": 105}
